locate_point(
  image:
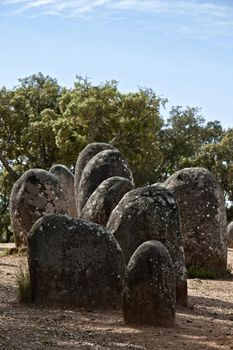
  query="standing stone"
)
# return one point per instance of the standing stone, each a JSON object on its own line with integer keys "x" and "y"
{"x": 66, "y": 179}
{"x": 103, "y": 165}
{"x": 202, "y": 218}
{"x": 74, "y": 263}
{"x": 105, "y": 198}
{"x": 35, "y": 194}
{"x": 230, "y": 235}
{"x": 149, "y": 292}
{"x": 151, "y": 213}
{"x": 85, "y": 155}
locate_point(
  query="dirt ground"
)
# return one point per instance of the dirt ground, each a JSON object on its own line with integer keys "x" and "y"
{"x": 206, "y": 324}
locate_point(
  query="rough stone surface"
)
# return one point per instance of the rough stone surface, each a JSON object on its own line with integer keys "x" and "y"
{"x": 66, "y": 179}
{"x": 74, "y": 262}
{"x": 230, "y": 235}
{"x": 149, "y": 292}
{"x": 151, "y": 213}
{"x": 202, "y": 218}
{"x": 35, "y": 194}
{"x": 85, "y": 155}
{"x": 105, "y": 198}
{"x": 103, "y": 165}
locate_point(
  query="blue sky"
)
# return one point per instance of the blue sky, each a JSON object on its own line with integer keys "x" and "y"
{"x": 183, "y": 50}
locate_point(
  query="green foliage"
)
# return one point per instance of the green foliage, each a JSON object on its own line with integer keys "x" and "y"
{"x": 11, "y": 251}
{"x": 43, "y": 123}
{"x": 180, "y": 138}
{"x": 24, "y": 293}
{"x": 200, "y": 272}
{"x": 5, "y": 232}
{"x": 217, "y": 157}
{"x": 187, "y": 141}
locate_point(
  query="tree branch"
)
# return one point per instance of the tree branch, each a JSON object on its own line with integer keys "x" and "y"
{"x": 8, "y": 167}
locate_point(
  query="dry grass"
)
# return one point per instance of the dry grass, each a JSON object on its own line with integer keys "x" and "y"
{"x": 22, "y": 276}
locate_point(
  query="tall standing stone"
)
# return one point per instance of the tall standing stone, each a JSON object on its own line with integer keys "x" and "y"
{"x": 74, "y": 263}
{"x": 103, "y": 165}
{"x": 35, "y": 194}
{"x": 151, "y": 213}
{"x": 202, "y": 218}
{"x": 66, "y": 179}
{"x": 105, "y": 198}
{"x": 230, "y": 235}
{"x": 149, "y": 292}
{"x": 85, "y": 155}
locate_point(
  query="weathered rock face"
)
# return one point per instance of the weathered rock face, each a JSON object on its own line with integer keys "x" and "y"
{"x": 151, "y": 213}
{"x": 104, "y": 199}
{"x": 66, "y": 179}
{"x": 230, "y": 235}
{"x": 149, "y": 287}
{"x": 202, "y": 218}
{"x": 74, "y": 262}
{"x": 85, "y": 155}
{"x": 103, "y": 165}
{"x": 35, "y": 194}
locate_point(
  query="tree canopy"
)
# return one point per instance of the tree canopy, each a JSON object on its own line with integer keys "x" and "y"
{"x": 43, "y": 123}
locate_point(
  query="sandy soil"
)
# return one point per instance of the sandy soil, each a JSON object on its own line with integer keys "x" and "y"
{"x": 206, "y": 324}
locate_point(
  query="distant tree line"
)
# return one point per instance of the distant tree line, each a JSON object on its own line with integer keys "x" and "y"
{"x": 43, "y": 123}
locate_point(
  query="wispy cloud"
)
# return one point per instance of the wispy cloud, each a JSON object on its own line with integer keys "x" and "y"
{"x": 212, "y": 17}
{"x": 209, "y": 7}
{"x": 61, "y": 7}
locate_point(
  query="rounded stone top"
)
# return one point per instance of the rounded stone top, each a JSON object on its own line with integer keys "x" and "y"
{"x": 230, "y": 227}
{"x": 105, "y": 198}
{"x": 36, "y": 193}
{"x": 230, "y": 234}
{"x": 152, "y": 191}
{"x": 140, "y": 204}
{"x": 196, "y": 175}
{"x": 87, "y": 153}
{"x": 66, "y": 180}
{"x": 53, "y": 235}
{"x": 59, "y": 169}
{"x": 63, "y": 228}
{"x": 31, "y": 181}
{"x": 74, "y": 262}
{"x": 150, "y": 250}
{"x": 103, "y": 165}
{"x": 149, "y": 291}
{"x": 202, "y": 218}
{"x": 37, "y": 173}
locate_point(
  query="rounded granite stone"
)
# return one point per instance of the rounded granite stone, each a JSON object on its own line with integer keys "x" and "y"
{"x": 230, "y": 235}
{"x": 202, "y": 218}
{"x": 74, "y": 263}
{"x": 35, "y": 194}
{"x": 149, "y": 292}
{"x": 151, "y": 213}
{"x": 66, "y": 180}
{"x": 103, "y": 165}
{"x": 105, "y": 198}
{"x": 85, "y": 155}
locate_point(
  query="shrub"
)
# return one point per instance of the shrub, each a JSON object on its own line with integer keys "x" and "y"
{"x": 24, "y": 293}
{"x": 200, "y": 272}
